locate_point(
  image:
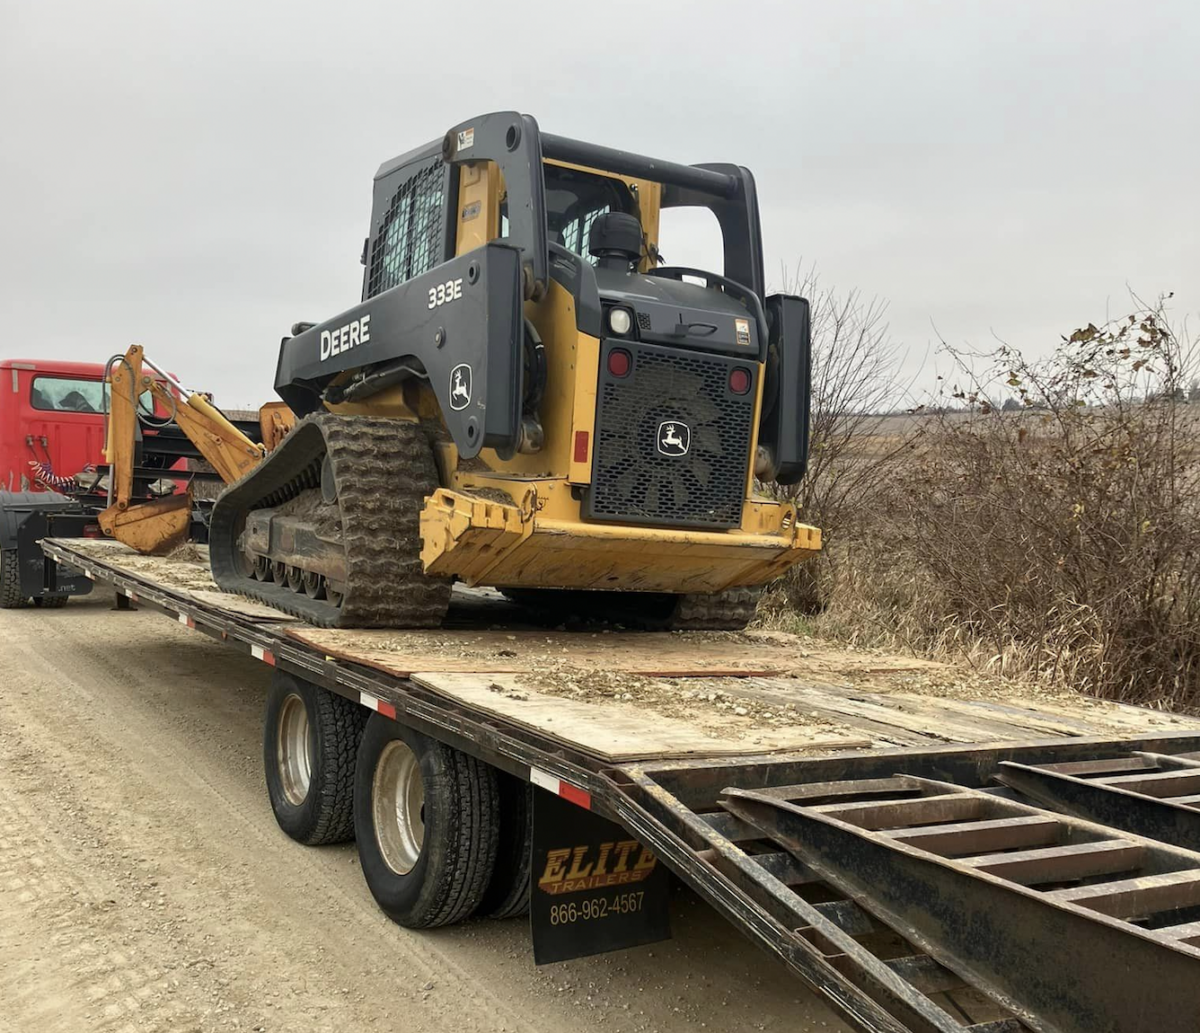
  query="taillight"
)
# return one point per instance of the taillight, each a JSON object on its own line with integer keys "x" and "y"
{"x": 739, "y": 380}
{"x": 92, "y": 531}
{"x": 620, "y": 362}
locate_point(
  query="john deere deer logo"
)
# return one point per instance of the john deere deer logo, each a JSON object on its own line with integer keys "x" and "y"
{"x": 674, "y": 438}
{"x": 460, "y": 386}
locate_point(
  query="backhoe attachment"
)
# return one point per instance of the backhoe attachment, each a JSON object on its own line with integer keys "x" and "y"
{"x": 160, "y": 525}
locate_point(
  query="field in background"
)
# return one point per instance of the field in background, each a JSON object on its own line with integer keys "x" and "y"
{"x": 1055, "y": 540}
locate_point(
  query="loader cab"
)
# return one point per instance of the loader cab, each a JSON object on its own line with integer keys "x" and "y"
{"x": 560, "y": 202}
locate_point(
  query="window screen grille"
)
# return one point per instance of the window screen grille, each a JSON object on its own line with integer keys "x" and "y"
{"x": 409, "y": 242}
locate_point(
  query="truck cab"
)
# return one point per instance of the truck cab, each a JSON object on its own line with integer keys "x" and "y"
{"x": 50, "y": 413}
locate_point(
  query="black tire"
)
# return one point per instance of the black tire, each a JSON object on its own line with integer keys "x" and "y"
{"x": 51, "y": 602}
{"x": 10, "y": 581}
{"x": 325, "y": 812}
{"x": 507, "y": 895}
{"x": 460, "y": 814}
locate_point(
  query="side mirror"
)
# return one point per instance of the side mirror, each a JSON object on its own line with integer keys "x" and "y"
{"x": 783, "y": 427}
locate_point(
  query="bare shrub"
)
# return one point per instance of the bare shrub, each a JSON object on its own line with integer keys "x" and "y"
{"x": 1058, "y": 537}
{"x": 855, "y": 383}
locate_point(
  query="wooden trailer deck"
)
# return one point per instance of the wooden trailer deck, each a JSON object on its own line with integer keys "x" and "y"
{"x": 612, "y": 695}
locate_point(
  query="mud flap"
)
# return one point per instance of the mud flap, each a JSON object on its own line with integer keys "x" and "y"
{"x": 595, "y": 887}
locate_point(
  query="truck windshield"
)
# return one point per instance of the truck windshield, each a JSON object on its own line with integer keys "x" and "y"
{"x": 67, "y": 394}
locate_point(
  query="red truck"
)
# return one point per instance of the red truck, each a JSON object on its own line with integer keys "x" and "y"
{"x": 53, "y": 414}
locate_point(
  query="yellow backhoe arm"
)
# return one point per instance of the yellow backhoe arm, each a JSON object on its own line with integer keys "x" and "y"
{"x": 160, "y": 525}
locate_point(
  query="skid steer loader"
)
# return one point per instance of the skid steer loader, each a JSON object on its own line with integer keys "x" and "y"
{"x": 527, "y": 398}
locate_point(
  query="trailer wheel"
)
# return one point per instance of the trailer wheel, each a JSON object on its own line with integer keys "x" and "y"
{"x": 51, "y": 602}
{"x": 426, "y": 818}
{"x": 310, "y": 737}
{"x": 10, "y": 581}
{"x": 507, "y": 895}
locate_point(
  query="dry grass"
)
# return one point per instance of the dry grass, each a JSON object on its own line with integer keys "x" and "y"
{"x": 1058, "y": 542}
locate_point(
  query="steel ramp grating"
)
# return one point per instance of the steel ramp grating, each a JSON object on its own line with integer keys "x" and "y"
{"x": 1031, "y": 906}
{"x": 1146, "y": 793}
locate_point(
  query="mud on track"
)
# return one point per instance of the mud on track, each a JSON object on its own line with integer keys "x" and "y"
{"x": 144, "y": 885}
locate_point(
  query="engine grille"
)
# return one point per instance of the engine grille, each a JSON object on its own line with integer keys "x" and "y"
{"x": 671, "y": 397}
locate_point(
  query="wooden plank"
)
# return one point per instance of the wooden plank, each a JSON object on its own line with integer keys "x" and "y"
{"x": 855, "y": 705}
{"x": 242, "y": 606}
{"x": 977, "y": 837}
{"x": 401, "y": 653}
{"x": 1061, "y": 863}
{"x": 804, "y": 696}
{"x": 1135, "y": 898}
{"x": 620, "y": 730}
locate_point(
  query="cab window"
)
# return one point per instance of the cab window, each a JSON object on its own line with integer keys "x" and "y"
{"x": 574, "y": 199}
{"x": 68, "y": 394}
{"x": 60, "y": 394}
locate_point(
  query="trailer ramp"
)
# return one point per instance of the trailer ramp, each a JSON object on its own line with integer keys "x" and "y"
{"x": 937, "y": 901}
{"x": 1150, "y": 794}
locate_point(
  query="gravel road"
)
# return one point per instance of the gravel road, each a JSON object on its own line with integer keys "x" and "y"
{"x": 144, "y": 885}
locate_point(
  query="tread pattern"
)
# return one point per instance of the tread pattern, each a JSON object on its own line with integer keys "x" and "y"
{"x": 471, "y": 844}
{"x": 341, "y": 722}
{"x": 730, "y": 610}
{"x": 10, "y": 581}
{"x": 383, "y": 470}
{"x": 508, "y": 894}
{"x": 51, "y": 602}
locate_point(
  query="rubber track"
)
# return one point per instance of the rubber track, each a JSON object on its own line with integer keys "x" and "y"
{"x": 730, "y": 610}
{"x": 342, "y": 722}
{"x": 10, "y": 581}
{"x": 383, "y": 470}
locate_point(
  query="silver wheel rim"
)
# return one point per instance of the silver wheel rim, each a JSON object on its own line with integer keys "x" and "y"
{"x": 294, "y": 750}
{"x": 397, "y": 806}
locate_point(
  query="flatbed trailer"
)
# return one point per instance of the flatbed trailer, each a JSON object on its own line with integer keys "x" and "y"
{"x": 961, "y": 865}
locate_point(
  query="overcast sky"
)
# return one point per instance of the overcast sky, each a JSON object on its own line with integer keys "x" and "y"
{"x": 196, "y": 176}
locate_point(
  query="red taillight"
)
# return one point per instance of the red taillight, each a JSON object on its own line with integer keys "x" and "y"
{"x": 619, "y": 362}
{"x": 92, "y": 531}
{"x": 739, "y": 380}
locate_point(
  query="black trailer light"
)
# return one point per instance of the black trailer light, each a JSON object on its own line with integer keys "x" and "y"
{"x": 620, "y": 362}
{"x": 739, "y": 380}
{"x": 620, "y": 322}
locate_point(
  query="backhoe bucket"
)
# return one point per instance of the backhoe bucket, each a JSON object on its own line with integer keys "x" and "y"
{"x": 151, "y": 528}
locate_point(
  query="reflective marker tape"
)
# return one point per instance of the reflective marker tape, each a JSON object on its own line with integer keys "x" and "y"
{"x": 376, "y": 704}
{"x": 185, "y": 620}
{"x": 265, "y": 655}
{"x": 554, "y": 784}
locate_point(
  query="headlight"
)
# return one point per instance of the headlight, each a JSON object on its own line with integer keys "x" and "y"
{"x": 619, "y": 321}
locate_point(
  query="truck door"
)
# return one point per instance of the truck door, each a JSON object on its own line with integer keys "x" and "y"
{"x": 63, "y": 422}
